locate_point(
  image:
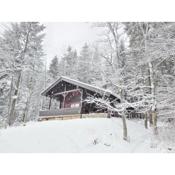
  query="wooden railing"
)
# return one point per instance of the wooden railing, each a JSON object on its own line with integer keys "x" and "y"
{"x": 57, "y": 112}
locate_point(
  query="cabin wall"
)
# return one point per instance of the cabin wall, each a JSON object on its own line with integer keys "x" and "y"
{"x": 72, "y": 100}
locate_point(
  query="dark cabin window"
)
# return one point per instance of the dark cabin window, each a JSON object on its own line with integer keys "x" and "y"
{"x": 73, "y": 99}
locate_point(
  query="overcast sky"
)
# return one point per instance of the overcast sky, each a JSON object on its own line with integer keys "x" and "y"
{"x": 60, "y": 35}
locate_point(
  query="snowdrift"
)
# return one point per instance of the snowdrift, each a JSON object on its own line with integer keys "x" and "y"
{"x": 74, "y": 136}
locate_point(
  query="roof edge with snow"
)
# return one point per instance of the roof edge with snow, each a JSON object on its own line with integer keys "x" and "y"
{"x": 80, "y": 84}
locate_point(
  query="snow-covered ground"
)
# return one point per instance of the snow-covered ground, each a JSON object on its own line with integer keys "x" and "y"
{"x": 78, "y": 135}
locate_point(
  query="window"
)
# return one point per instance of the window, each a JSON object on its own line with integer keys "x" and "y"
{"x": 75, "y": 105}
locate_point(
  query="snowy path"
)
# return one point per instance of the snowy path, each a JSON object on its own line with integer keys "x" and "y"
{"x": 78, "y": 135}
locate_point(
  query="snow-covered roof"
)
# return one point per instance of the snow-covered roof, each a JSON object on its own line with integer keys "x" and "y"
{"x": 80, "y": 84}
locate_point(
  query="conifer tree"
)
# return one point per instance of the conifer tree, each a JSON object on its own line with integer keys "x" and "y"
{"x": 84, "y": 64}
{"x": 54, "y": 68}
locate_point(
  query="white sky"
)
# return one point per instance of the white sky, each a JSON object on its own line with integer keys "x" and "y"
{"x": 60, "y": 35}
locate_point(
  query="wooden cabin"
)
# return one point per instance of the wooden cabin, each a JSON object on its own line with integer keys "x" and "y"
{"x": 65, "y": 99}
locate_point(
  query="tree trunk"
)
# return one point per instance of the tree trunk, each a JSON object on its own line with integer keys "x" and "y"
{"x": 153, "y": 109}
{"x": 146, "y": 120}
{"x": 114, "y": 31}
{"x": 125, "y": 133}
{"x": 154, "y": 118}
{"x": 26, "y": 109}
{"x": 14, "y": 99}
{"x": 10, "y": 100}
{"x": 150, "y": 119}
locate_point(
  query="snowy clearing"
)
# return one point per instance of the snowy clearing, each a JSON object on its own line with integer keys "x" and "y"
{"x": 78, "y": 135}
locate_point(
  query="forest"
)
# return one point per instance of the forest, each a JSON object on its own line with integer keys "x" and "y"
{"x": 134, "y": 60}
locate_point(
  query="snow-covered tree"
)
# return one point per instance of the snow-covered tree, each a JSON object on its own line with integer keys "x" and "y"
{"x": 54, "y": 68}
{"x": 21, "y": 46}
{"x": 65, "y": 66}
{"x": 152, "y": 45}
{"x": 70, "y": 60}
{"x": 84, "y": 63}
{"x": 124, "y": 74}
{"x": 96, "y": 67}
{"x": 115, "y": 70}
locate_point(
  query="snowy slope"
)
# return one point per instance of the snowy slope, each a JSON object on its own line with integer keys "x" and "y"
{"x": 78, "y": 135}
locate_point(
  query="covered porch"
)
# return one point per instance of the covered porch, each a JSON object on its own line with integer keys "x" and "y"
{"x": 63, "y": 103}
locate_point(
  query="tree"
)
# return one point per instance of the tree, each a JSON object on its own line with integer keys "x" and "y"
{"x": 70, "y": 63}
{"x": 113, "y": 57}
{"x": 66, "y": 66}
{"x": 84, "y": 63}
{"x": 141, "y": 35}
{"x": 153, "y": 45}
{"x": 54, "y": 68}
{"x": 161, "y": 51}
{"x": 124, "y": 74}
{"x": 22, "y": 48}
{"x": 96, "y": 67}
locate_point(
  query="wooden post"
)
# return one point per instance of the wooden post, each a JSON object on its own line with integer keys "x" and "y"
{"x": 81, "y": 103}
{"x": 64, "y": 97}
{"x": 63, "y": 100}
{"x": 50, "y": 102}
{"x": 60, "y": 103}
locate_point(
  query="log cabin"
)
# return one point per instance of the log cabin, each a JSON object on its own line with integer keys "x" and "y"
{"x": 66, "y": 99}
